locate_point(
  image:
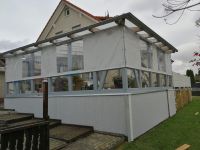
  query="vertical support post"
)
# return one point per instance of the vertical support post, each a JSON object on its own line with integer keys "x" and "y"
{"x": 125, "y": 79}
{"x": 45, "y": 99}
{"x": 69, "y": 53}
{"x": 130, "y": 119}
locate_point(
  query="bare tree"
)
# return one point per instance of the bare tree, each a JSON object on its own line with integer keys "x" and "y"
{"x": 179, "y": 6}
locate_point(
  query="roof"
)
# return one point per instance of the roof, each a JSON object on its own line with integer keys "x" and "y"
{"x": 97, "y": 18}
{"x": 80, "y": 33}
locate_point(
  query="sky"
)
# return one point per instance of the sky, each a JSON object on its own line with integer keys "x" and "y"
{"x": 22, "y": 21}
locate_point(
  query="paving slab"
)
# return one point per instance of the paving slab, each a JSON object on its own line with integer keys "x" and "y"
{"x": 56, "y": 144}
{"x": 69, "y": 133}
{"x": 96, "y": 141}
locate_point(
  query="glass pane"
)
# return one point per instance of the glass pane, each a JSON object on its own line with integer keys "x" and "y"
{"x": 77, "y": 55}
{"x": 154, "y": 79}
{"x": 146, "y": 55}
{"x": 37, "y": 85}
{"x": 62, "y": 58}
{"x": 162, "y": 80}
{"x": 113, "y": 79}
{"x": 161, "y": 61}
{"x": 37, "y": 63}
{"x": 133, "y": 78}
{"x": 10, "y": 87}
{"x": 60, "y": 84}
{"x": 25, "y": 87}
{"x": 170, "y": 81}
{"x": 144, "y": 58}
{"x": 82, "y": 82}
{"x": 31, "y": 64}
{"x": 145, "y": 77}
{"x": 77, "y": 62}
{"x": 27, "y": 65}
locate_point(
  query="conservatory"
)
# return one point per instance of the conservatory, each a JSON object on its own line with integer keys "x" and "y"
{"x": 115, "y": 75}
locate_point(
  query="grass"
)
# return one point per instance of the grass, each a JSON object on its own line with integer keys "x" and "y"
{"x": 183, "y": 128}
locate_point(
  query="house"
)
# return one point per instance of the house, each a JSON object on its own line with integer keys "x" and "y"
{"x": 114, "y": 74}
{"x": 68, "y": 17}
{"x": 2, "y": 81}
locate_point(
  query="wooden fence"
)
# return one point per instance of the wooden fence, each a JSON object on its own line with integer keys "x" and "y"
{"x": 183, "y": 97}
{"x": 31, "y": 136}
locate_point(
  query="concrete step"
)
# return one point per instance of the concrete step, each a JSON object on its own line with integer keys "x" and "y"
{"x": 14, "y": 117}
{"x": 54, "y": 123}
{"x": 70, "y": 133}
{"x": 96, "y": 141}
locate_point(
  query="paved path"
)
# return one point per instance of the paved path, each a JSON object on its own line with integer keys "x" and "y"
{"x": 96, "y": 141}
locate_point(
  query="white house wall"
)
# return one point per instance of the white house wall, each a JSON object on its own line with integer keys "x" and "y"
{"x": 104, "y": 113}
{"x": 148, "y": 110}
{"x": 104, "y": 50}
{"x": 130, "y": 114}
{"x": 172, "y": 102}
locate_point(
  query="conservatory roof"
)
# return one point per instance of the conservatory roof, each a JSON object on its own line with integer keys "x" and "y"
{"x": 129, "y": 20}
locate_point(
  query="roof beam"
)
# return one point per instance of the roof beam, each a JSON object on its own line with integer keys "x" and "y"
{"x": 136, "y": 29}
{"x": 93, "y": 30}
{"x": 165, "y": 48}
{"x": 159, "y": 44}
{"x": 120, "y": 20}
{"x": 145, "y": 35}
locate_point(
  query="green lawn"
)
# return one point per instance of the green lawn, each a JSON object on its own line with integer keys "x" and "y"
{"x": 183, "y": 128}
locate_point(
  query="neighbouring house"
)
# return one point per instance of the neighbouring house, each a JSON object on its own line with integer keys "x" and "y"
{"x": 114, "y": 74}
{"x": 68, "y": 17}
{"x": 2, "y": 80}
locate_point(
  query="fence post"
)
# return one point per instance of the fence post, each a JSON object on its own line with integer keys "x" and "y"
{"x": 45, "y": 99}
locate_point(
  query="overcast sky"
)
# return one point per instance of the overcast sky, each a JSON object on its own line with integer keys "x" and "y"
{"x": 21, "y": 22}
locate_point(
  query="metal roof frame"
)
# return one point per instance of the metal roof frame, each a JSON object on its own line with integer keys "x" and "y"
{"x": 119, "y": 20}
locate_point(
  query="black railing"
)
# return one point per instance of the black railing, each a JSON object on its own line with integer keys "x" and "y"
{"x": 25, "y": 136}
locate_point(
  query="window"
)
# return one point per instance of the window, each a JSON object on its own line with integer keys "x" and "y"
{"x": 169, "y": 81}
{"x": 154, "y": 80}
{"x": 60, "y": 84}
{"x": 66, "y": 11}
{"x": 37, "y": 85}
{"x": 31, "y": 65}
{"x": 111, "y": 79}
{"x": 146, "y": 55}
{"x": 25, "y": 87}
{"x": 161, "y": 60}
{"x": 77, "y": 55}
{"x": 10, "y": 88}
{"x": 162, "y": 80}
{"x": 62, "y": 58}
{"x": 133, "y": 78}
{"x": 70, "y": 57}
{"x": 82, "y": 82}
{"x": 145, "y": 77}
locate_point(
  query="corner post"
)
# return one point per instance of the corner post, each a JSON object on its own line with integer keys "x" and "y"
{"x": 45, "y": 99}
